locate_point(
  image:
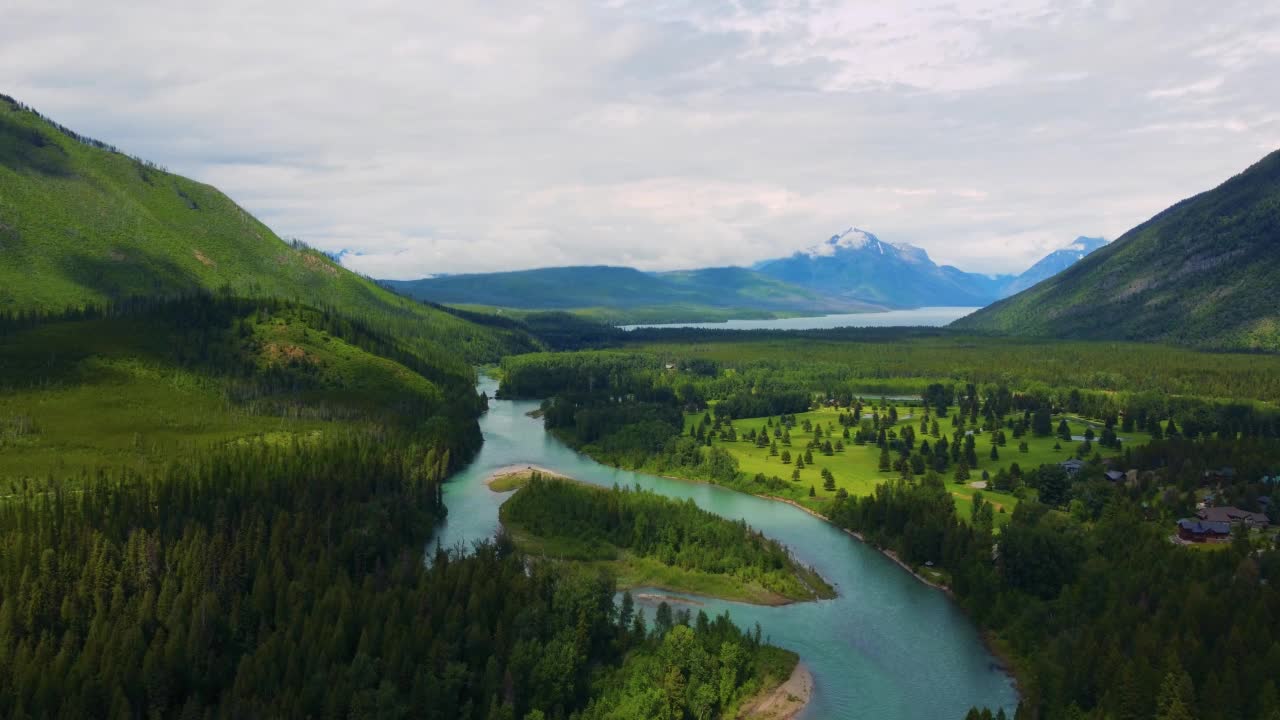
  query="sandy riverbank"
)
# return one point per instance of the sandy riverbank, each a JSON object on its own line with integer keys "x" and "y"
{"x": 506, "y": 479}
{"x": 669, "y": 599}
{"x": 784, "y": 702}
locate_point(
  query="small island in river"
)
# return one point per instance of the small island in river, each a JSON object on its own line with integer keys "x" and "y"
{"x": 647, "y": 540}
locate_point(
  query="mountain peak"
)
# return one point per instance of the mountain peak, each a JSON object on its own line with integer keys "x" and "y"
{"x": 857, "y": 239}
{"x": 1085, "y": 244}
{"x": 851, "y": 239}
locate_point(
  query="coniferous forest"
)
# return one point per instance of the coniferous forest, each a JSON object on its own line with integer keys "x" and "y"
{"x": 240, "y": 478}
{"x": 1078, "y": 585}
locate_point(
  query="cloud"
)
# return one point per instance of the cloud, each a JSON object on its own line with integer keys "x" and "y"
{"x": 427, "y": 138}
{"x": 1202, "y": 86}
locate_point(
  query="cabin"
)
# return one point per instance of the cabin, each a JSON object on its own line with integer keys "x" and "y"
{"x": 1199, "y": 531}
{"x": 1234, "y": 516}
{"x": 1224, "y": 474}
{"x": 1072, "y": 466}
{"x": 1115, "y": 476}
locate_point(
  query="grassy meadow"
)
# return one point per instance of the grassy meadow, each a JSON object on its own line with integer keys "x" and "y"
{"x": 856, "y": 468}
{"x": 114, "y": 392}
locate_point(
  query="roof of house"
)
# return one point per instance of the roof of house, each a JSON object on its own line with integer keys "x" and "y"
{"x": 1204, "y": 527}
{"x": 1072, "y": 464}
{"x": 1229, "y": 514}
{"x": 1115, "y": 475}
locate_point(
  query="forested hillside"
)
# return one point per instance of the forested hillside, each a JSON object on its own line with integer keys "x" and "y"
{"x": 289, "y": 581}
{"x": 1201, "y": 273}
{"x": 142, "y": 383}
{"x": 220, "y": 462}
{"x": 81, "y": 223}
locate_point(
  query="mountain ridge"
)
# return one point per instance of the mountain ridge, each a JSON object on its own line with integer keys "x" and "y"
{"x": 1201, "y": 273}
{"x": 623, "y": 288}
{"x": 83, "y": 224}
{"x": 851, "y": 271}
{"x": 1054, "y": 263}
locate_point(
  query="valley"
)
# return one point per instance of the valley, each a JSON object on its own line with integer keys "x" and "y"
{"x": 852, "y": 272}
{"x": 845, "y": 482}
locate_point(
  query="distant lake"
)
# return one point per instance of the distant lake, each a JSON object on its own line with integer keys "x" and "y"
{"x": 925, "y": 316}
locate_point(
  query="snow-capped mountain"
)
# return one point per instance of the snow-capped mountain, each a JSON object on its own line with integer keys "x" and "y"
{"x": 857, "y": 264}
{"x": 1054, "y": 263}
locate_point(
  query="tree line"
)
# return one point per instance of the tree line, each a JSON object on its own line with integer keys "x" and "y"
{"x": 677, "y": 534}
{"x": 289, "y": 581}
{"x": 1101, "y": 615}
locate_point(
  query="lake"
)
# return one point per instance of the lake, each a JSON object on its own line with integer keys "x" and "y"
{"x": 916, "y": 317}
{"x": 889, "y": 647}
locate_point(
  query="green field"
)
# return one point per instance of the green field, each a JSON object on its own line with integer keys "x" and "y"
{"x": 99, "y": 393}
{"x": 856, "y": 468}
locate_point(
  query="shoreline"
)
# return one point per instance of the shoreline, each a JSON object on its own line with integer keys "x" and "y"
{"x": 518, "y": 469}
{"x": 784, "y": 702}
{"x": 988, "y": 639}
{"x": 669, "y": 599}
{"x": 887, "y": 553}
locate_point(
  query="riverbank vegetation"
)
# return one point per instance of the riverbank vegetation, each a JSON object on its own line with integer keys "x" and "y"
{"x": 288, "y": 581}
{"x": 648, "y": 540}
{"x": 1072, "y": 572}
{"x": 220, "y": 461}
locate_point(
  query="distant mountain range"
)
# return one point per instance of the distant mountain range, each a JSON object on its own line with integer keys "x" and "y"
{"x": 853, "y": 271}
{"x": 857, "y": 264}
{"x": 1052, "y": 264}
{"x": 1205, "y": 272}
{"x": 631, "y": 293}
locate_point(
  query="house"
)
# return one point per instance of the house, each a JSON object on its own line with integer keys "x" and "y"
{"x": 1115, "y": 476}
{"x": 1224, "y": 474}
{"x": 1072, "y": 466}
{"x": 1198, "y": 531}
{"x": 1234, "y": 516}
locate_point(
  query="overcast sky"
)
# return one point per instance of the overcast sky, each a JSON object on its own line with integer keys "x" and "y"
{"x": 430, "y": 137}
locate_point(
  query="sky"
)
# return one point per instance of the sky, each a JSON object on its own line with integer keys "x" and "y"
{"x": 444, "y": 137}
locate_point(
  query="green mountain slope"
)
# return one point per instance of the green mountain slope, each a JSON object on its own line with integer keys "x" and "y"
{"x": 83, "y": 224}
{"x": 709, "y": 291}
{"x": 1205, "y": 272}
{"x": 165, "y": 379}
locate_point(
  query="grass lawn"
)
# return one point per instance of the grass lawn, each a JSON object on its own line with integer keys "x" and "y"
{"x": 856, "y": 469}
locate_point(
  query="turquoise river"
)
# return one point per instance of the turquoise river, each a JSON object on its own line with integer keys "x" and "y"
{"x": 889, "y": 647}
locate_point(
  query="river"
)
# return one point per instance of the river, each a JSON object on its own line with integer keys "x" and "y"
{"x": 889, "y": 647}
{"x": 915, "y": 317}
